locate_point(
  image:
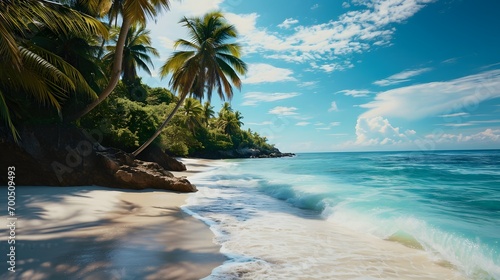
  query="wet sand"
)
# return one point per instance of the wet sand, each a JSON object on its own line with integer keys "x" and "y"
{"x": 99, "y": 233}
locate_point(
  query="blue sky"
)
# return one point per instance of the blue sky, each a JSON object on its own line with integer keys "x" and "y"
{"x": 361, "y": 75}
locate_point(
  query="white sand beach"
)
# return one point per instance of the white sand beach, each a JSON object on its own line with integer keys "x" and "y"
{"x": 100, "y": 233}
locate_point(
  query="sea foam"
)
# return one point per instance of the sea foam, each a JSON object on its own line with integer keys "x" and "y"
{"x": 276, "y": 219}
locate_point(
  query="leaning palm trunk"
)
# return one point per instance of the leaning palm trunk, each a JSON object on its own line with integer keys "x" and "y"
{"x": 206, "y": 64}
{"x": 115, "y": 73}
{"x": 160, "y": 129}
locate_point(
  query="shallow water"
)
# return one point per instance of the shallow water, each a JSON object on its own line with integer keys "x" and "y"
{"x": 389, "y": 215}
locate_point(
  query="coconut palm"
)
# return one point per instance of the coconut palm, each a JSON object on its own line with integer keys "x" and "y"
{"x": 238, "y": 116}
{"x": 30, "y": 69}
{"x": 136, "y": 53}
{"x": 192, "y": 112}
{"x": 226, "y": 107}
{"x": 80, "y": 52}
{"x": 229, "y": 122}
{"x": 207, "y": 113}
{"x": 209, "y": 63}
{"x": 132, "y": 12}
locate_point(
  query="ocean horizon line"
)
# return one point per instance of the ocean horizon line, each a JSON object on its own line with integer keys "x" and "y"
{"x": 399, "y": 151}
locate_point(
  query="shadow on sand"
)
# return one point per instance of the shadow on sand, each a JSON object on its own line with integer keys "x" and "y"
{"x": 108, "y": 246}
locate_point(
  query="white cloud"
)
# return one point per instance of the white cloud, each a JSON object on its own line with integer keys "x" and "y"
{"x": 432, "y": 99}
{"x": 346, "y": 5}
{"x": 261, "y": 123}
{"x": 401, "y": 77}
{"x": 288, "y": 23}
{"x": 302, "y": 123}
{"x": 493, "y": 65}
{"x": 266, "y": 73}
{"x": 333, "y": 107}
{"x": 487, "y": 136}
{"x": 470, "y": 123}
{"x": 462, "y": 114}
{"x": 450, "y": 60}
{"x": 253, "y": 98}
{"x": 355, "y": 93}
{"x": 244, "y": 23}
{"x": 457, "y": 124}
{"x": 330, "y": 67}
{"x": 308, "y": 84}
{"x": 166, "y": 43}
{"x": 355, "y": 31}
{"x": 371, "y": 131}
{"x": 329, "y": 126}
{"x": 167, "y": 25}
{"x": 283, "y": 111}
{"x": 315, "y": 6}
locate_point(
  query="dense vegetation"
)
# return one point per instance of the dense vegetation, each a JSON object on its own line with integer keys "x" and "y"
{"x": 62, "y": 62}
{"x": 128, "y": 118}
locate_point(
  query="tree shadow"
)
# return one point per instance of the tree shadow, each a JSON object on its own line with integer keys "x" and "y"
{"x": 96, "y": 259}
{"x": 110, "y": 246}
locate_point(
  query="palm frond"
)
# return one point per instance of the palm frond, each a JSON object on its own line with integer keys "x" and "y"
{"x": 5, "y": 114}
{"x": 235, "y": 62}
{"x": 76, "y": 78}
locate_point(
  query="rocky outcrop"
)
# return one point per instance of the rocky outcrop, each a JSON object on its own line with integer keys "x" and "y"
{"x": 66, "y": 156}
{"x": 155, "y": 154}
{"x": 276, "y": 155}
{"x": 244, "y": 153}
{"x": 137, "y": 174}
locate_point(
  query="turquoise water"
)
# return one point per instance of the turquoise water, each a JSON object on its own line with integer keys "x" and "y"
{"x": 444, "y": 204}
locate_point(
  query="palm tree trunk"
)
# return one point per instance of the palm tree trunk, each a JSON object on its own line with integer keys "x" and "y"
{"x": 160, "y": 129}
{"x": 115, "y": 73}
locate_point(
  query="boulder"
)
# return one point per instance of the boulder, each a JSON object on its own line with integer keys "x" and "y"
{"x": 65, "y": 156}
{"x": 137, "y": 174}
{"x": 155, "y": 154}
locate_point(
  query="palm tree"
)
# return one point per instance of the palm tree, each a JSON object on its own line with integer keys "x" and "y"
{"x": 80, "y": 52}
{"x": 238, "y": 116}
{"x": 192, "y": 111}
{"x": 30, "y": 69}
{"x": 226, "y": 107}
{"x": 208, "y": 113}
{"x": 132, "y": 12}
{"x": 228, "y": 123}
{"x": 208, "y": 63}
{"x": 135, "y": 54}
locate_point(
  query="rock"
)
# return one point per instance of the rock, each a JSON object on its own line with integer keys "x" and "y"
{"x": 155, "y": 154}
{"x": 243, "y": 153}
{"x": 64, "y": 156}
{"x": 28, "y": 171}
{"x": 143, "y": 175}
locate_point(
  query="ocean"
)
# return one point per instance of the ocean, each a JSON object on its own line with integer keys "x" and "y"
{"x": 372, "y": 215}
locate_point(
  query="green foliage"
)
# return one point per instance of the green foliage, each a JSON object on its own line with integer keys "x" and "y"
{"x": 53, "y": 68}
{"x": 208, "y": 62}
{"x": 179, "y": 141}
{"x": 31, "y": 70}
{"x": 126, "y": 122}
{"x": 158, "y": 96}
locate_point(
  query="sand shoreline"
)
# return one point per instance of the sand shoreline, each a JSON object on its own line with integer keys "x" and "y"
{"x": 101, "y": 233}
